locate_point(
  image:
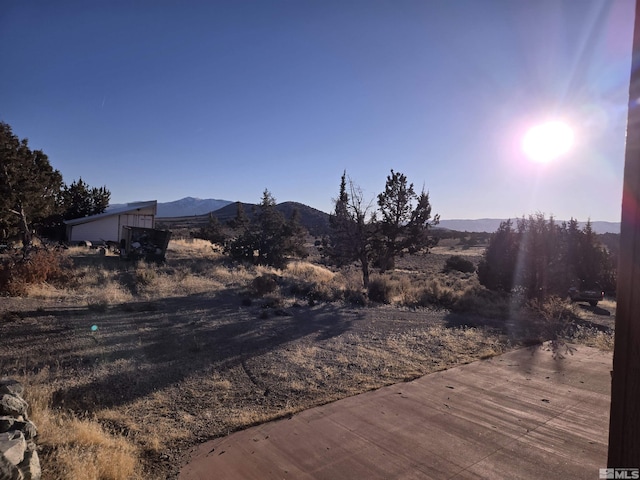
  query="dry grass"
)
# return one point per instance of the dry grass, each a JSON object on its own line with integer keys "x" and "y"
{"x": 73, "y": 448}
{"x": 309, "y": 272}
{"x": 188, "y": 350}
{"x": 458, "y": 250}
{"x": 593, "y": 337}
{"x": 192, "y": 247}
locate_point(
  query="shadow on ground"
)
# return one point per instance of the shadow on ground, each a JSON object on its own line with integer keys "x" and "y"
{"x": 135, "y": 349}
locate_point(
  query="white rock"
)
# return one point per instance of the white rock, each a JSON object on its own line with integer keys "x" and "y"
{"x": 12, "y": 446}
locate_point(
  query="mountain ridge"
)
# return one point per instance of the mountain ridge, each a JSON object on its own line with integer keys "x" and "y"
{"x": 314, "y": 220}
{"x": 490, "y": 225}
{"x": 319, "y": 220}
{"x": 185, "y": 207}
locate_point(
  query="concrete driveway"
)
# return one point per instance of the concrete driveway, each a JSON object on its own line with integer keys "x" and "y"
{"x": 526, "y": 414}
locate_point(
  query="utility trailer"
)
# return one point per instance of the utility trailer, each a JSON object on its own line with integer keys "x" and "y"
{"x": 144, "y": 243}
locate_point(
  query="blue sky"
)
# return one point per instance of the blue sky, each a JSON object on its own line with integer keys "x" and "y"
{"x": 167, "y": 99}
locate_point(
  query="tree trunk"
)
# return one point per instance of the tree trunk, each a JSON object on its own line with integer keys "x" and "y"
{"x": 26, "y": 232}
{"x": 364, "y": 261}
{"x": 24, "y": 227}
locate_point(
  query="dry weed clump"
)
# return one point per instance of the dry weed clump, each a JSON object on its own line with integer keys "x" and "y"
{"x": 18, "y": 272}
{"x": 313, "y": 282}
{"x": 436, "y": 292}
{"x": 410, "y": 289}
{"x": 553, "y": 315}
{"x": 72, "y": 447}
{"x": 477, "y": 300}
{"x": 152, "y": 281}
{"x": 309, "y": 272}
{"x": 110, "y": 293}
{"x": 145, "y": 274}
{"x": 593, "y": 337}
{"x": 554, "y": 309}
{"x": 46, "y": 291}
{"x": 446, "y": 289}
{"x": 460, "y": 264}
{"x": 562, "y": 321}
{"x": 191, "y": 248}
{"x": 381, "y": 290}
{"x": 264, "y": 284}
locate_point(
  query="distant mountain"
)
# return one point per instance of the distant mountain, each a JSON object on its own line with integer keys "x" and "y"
{"x": 314, "y": 220}
{"x": 490, "y": 225}
{"x": 189, "y": 206}
{"x": 185, "y": 207}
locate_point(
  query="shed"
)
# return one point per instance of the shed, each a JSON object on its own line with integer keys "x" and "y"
{"x": 107, "y": 226}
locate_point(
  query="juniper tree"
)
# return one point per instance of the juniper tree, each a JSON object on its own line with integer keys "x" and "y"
{"x": 496, "y": 269}
{"x": 357, "y": 234}
{"x": 405, "y": 221}
{"x": 295, "y": 235}
{"x": 241, "y": 221}
{"x": 268, "y": 239}
{"x": 81, "y": 200}
{"x": 213, "y": 232}
{"x": 352, "y": 229}
{"x": 29, "y": 186}
{"x": 541, "y": 258}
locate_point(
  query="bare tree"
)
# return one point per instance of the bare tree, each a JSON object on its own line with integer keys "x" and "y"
{"x": 353, "y": 228}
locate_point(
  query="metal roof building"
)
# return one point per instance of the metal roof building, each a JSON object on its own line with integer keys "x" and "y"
{"x": 107, "y": 226}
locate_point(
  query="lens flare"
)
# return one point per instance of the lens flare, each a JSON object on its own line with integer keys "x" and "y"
{"x": 547, "y": 141}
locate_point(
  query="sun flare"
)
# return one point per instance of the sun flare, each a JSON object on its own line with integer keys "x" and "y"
{"x": 547, "y": 141}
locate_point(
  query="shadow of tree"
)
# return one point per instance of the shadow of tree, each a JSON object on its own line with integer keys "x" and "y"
{"x": 595, "y": 310}
{"x": 132, "y": 352}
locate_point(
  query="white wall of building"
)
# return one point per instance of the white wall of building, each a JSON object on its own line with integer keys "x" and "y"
{"x": 109, "y": 227}
{"x": 101, "y": 229}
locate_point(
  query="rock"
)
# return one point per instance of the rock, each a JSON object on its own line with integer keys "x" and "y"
{"x": 6, "y": 423}
{"x": 8, "y": 385}
{"x": 12, "y": 405}
{"x": 8, "y": 471}
{"x": 27, "y": 428}
{"x": 30, "y": 466}
{"x": 19, "y": 458}
{"x": 12, "y": 446}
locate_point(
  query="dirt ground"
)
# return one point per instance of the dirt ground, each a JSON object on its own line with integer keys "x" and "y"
{"x": 171, "y": 373}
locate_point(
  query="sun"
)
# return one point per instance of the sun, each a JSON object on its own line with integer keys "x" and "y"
{"x": 547, "y": 141}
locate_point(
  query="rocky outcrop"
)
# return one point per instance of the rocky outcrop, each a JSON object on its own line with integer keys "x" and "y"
{"x": 18, "y": 454}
